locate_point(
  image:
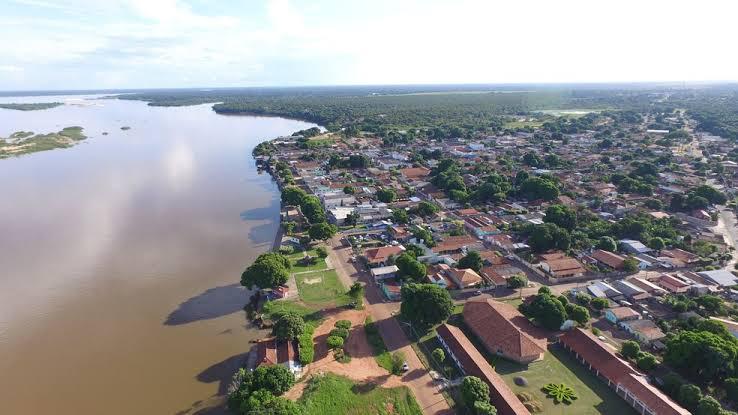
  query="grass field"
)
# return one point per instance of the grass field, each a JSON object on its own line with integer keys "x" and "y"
{"x": 335, "y": 395}
{"x": 558, "y": 366}
{"x": 295, "y": 262}
{"x": 381, "y": 354}
{"x": 321, "y": 287}
{"x": 272, "y": 309}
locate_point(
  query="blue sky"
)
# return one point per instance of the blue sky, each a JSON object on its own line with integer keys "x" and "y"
{"x": 87, "y": 44}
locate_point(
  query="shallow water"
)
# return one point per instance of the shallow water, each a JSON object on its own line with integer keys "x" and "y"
{"x": 120, "y": 257}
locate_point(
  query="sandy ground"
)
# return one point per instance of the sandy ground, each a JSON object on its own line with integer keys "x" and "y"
{"x": 362, "y": 367}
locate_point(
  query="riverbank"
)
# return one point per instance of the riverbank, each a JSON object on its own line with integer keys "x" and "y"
{"x": 25, "y": 142}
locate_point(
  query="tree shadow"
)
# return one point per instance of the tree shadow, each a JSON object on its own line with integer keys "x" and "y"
{"x": 213, "y": 303}
{"x": 263, "y": 234}
{"x": 222, "y": 372}
{"x": 262, "y": 213}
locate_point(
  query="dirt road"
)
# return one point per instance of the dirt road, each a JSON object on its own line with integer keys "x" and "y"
{"x": 417, "y": 378}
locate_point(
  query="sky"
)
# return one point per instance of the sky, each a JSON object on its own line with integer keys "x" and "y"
{"x": 100, "y": 44}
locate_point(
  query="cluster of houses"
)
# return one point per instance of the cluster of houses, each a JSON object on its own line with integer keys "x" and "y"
{"x": 352, "y": 194}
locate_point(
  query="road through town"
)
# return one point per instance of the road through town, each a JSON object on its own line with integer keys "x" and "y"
{"x": 417, "y": 378}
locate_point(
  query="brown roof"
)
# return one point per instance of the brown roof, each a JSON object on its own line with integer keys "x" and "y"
{"x": 604, "y": 360}
{"x": 622, "y": 313}
{"x": 466, "y": 277}
{"x": 382, "y": 253}
{"x": 550, "y": 256}
{"x": 501, "y": 326}
{"x": 474, "y": 364}
{"x": 453, "y": 243}
{"x": 608, "y": 258}
{"x": 415, "y": 172}
{"x": 565, "y": 266}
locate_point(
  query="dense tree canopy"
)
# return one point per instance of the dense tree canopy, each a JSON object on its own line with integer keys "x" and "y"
{"x": 546, "y": 310}
{"x": 702, "y": 355}
{"x": 410, "y": 268}
{"x": 562, "y": 216}
{"x": 322, "y": 231}
{"x": 268, "y": 270}
{"x": 289, "y": 327}
{"x": 425, "y": 304}
{"x": 471, "y": 260}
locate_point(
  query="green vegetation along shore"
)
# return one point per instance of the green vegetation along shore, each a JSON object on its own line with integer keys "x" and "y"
{"x": 26, "y": 142}
{"x": 31, "y": 107}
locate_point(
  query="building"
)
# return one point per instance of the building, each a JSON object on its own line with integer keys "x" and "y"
{"x": 634, "y": 247}
{"x": 472, "y": 363}
{"x": 617, "y": 314}
{"x": 273, "y": 352}
{"x": 628, "y": 383}
{"x": 464, "y": 278}
{"x": 609, "y": 259}
{"x": 504, "y": 331}
{"x": 378, "y": 257}
{"x": 383, "y": 273}
{"x": 391, "y": 290}
{"x": 720, "y": 277}
{"x": 646, "y": 331}
{"x": 558, "y": 265}
{"x": 672, "y": 284}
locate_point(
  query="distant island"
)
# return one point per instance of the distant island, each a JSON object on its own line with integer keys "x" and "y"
{"x": 26, "y": 142}
{"x": 31, "y": 107}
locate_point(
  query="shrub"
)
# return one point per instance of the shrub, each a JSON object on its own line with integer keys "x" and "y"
{"x": 599, "y": 303}
{"x": 342, "y": 333}
{"x": 305, "y": 346}
{"x": 439, "y": 355}
{"x": 474, "y": 389}
{"x": 560, "y": 393}
{"x": 343, "y": 324}
{"x": 646, "y": 361}
{"x": 398, "y": 360}
{"x": 689, "y": 396}
{"x": 321, "y": 251}
{"x": 334, "y": 342}
{"x": 484, "y": 408}
{"x": 630, "y": 349}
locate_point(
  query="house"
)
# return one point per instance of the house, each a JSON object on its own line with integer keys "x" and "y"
{"x": 415, "y": 173}
{"x": 630, "y": 290}
{"x": 608, "y": 290}
{"x": 391, "y": 289}
{"x": 504, "y": 331}
{"x": 646, "y": 331}
{"x": 634, "y": 247}
{"x": 617, "y": 314}
{"x": 383, "y": 273}
{"x": 457, "y": 244}
{"x": 609, "y": 259}
{"x": 472, "y": 363}
{"x": 672, "y": 284}
{"x": 276, "y": 352}
{"x": 681, "y": 256}
{"x": 565, "y": 267}
{"x": 378, "y": 257}
{"x": 628, "y": 383}
{"x": 464, "y": 278}
{"x": 647, "y": 286}
{"x": 720, "y": 277}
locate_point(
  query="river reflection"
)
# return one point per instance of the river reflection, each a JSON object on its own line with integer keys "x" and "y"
{"x": 119, "y": 258}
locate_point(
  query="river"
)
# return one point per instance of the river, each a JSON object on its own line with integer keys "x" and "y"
{"x": 120, "y": 257}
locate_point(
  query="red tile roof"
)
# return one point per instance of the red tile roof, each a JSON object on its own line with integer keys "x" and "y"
{"x": 502, "y": 326}
{"x": 381, "y": 254}
{"x": 474, "y": 364}
{"x": 603, "y": 359}
{"x": 608, "y": 258}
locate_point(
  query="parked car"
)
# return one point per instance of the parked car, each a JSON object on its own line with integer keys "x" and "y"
{"x": 405, "y": 367}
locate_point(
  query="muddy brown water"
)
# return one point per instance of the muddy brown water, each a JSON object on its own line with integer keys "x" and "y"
{"x": 120, "y": 257}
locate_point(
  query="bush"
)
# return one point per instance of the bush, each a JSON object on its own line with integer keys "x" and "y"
{"x": 599, "y": 303}
{"x": 646, "y": 361}
{"x": 305, "y": 346}
{"x": 689, "y": 396}
{"x": 334, "y": 342}
{"x": 474, "y": 389}
{"x": 630, "y": 349}
{"x": 398, "y": 360}
{"x": 484, "y": 408}
{"x": 321, "y": 251}
{"x": 343, "y": 324}
{"x": 342, "y": 333}
{"x": 439, "y": 355}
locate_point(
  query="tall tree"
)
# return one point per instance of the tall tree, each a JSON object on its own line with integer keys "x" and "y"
{"x": 425, "y": 304}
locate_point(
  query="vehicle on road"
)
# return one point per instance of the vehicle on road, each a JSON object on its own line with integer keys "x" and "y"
{"x": 477, "y": 292}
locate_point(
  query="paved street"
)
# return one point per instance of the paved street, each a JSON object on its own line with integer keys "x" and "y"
{"x": 418, "y": 379}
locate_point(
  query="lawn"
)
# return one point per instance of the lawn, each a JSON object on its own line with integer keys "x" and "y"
{"x": 297, "y": 267}
{"x": 331, "y": 394}
{"x": 381, "y": 354}
{"x": 321, "y": 287}
{"x": 558, "y": 366}
{"x": 273, "y": 309}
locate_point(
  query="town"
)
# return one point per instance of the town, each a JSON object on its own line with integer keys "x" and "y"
{"x": 579, "y": 260}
